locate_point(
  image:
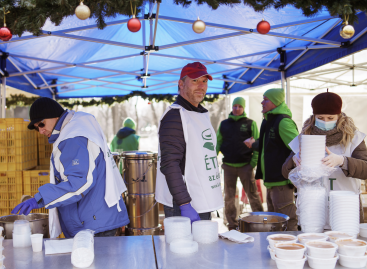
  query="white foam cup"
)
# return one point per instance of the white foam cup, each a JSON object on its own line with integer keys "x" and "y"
{"x": 37, "y": 240}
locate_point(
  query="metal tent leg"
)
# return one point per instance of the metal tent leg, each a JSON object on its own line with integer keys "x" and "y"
{"x": 288, "y": 93}
{"x": 282, "y": 76}
{"x": 3, "y": 96}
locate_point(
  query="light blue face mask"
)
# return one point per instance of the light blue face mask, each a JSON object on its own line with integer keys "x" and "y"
{"x": 326, "y": 126}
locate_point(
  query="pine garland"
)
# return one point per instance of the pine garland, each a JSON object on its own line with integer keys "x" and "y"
{"x": 31, "y": 15}
{"x": 22, "y": 100}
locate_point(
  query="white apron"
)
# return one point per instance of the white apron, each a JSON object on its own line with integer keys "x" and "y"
{"x": 202, "y": 176}
{"x": 343, "y": 183}
{"x": 84, "y": 124}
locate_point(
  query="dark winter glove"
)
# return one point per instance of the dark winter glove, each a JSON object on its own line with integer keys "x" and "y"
{"x": 25, "y": 207}
{"x": 188, "y": 211}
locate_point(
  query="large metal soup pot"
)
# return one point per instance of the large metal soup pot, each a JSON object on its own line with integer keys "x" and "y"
{"x": 262, "y": 222}
{"x": 37, "y": 221}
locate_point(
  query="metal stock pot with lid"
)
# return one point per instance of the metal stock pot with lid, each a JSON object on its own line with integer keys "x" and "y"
{"x": 262, "y": 222}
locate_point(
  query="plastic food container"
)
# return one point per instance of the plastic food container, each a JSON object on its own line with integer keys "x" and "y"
{"x": 289, "y": 251}
{"x": 352, "y": 261}
{"x": 363, "y": 229}
{"x": 22, "y": 240}
{"x": 205, "y": 231}
{"x": 21, "y": 227}
{"x": 317, "y": 263}
{"x": 82, "y": 255}
{"x": 321, "y": 249}
{"x": 176, "y": 227}
{"x": 290, "y": 264}
{"x": 335, "y": 235}
{"x": 303, "y": 238}
{"x": 346, "y": 247}
{"x": 184, "y": 246}
{"x": 281, "y": 238}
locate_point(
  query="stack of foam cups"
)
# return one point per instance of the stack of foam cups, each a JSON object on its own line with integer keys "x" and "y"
{"x": 311, "y": 209}
{"x": 21, "y": 234}
{"x": 205, "y": 231}
{"x": 312, "y": 150}
{"x": 311, "y": 201}
{"x": 344, "y": 212}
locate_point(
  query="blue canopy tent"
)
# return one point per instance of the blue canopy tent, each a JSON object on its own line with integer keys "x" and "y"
{"x": 76, "y": 60}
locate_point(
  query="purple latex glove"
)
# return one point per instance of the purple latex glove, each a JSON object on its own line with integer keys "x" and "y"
{"x": 25, "y": 207}
{"x": 188, "y": 211}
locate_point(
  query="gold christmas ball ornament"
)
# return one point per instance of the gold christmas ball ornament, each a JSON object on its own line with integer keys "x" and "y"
{"x": 346, "y": 31}
{"x": 82, "y": 11}
{"x": 198, "y": 26}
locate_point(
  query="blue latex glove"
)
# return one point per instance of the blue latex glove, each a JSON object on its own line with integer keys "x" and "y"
{"x": 25, "y": 207}
{"x": 188, "y": 211}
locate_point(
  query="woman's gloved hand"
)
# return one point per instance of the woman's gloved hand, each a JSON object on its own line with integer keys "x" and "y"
{"x": 25, "y": 207}
{"x": 333, "y": 159}
{"x": 297, "y": 159}
{"x": 188, "y": 211}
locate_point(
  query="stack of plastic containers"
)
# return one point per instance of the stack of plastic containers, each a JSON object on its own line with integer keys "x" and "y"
{"x": 205, "y": 231}
{"x": 21, "y": 234}
{"x": 311, "y": 209}
{"x": 176, "y": 228}
{"x": 82, "y": 255}
{"x": 2, "y": 257}
{"x": 344, "y": 212}
{"x": 312, "y": 150}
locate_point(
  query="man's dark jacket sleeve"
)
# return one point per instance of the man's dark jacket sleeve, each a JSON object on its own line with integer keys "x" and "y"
{"x": 173, "y": 151}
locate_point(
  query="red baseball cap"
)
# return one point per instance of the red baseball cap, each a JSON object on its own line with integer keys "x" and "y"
{"x": 195, "y": 70}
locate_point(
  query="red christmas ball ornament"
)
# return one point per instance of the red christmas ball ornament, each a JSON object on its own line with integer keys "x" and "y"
{"x": 263, "y": 27}
{"x": 5, "y": 34}
{"x": 134, "y": 24}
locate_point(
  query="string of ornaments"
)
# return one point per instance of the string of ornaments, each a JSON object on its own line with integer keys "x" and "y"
{"x": 5, "y": 32}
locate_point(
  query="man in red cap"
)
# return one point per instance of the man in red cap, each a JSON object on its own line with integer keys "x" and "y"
{"x": 188, "y": 178}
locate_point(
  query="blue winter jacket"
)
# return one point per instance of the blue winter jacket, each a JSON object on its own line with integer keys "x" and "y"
{"x": 89, "y": 209}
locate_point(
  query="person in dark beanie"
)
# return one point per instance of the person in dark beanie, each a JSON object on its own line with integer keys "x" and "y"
{"x": 188, "y": 178}
{"x": 85, "y": 185}
{"x": 239, "y": 160}
{"x": 345, "y": 145}
{"x": 276, "y": 132}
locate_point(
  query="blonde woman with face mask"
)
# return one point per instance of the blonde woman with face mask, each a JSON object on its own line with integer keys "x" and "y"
{"x": 345, "y": 146}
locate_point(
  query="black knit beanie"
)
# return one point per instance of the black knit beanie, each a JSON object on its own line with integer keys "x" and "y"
{"x": 44, "y": 108}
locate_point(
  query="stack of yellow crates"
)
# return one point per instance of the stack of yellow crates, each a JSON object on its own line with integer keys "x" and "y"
{"x": 18, "y": 151}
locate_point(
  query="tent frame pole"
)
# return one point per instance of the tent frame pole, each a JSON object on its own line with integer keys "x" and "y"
{"x": 282, "y": 75}
{"x": 3, "y": 97}
{"x": 288, "y": 93}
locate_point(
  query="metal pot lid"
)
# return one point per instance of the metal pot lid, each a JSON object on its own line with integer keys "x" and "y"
{"x": 137, "y": 154}
{"x": 263, "y": 217}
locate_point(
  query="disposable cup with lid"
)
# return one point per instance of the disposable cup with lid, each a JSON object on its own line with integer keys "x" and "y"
{"x": 37, "y": 241}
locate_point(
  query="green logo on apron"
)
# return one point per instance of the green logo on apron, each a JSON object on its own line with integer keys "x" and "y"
{"x": 207, "y": 135}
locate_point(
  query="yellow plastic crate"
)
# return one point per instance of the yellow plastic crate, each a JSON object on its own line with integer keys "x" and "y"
{"x": 33, "y": 179}
{"x": 11, "y": 190}
{"x": 44, "y": 150}
{"x": 18, "y": 145}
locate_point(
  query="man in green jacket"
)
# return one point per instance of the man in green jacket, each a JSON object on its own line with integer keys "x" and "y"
{"x": 239, "y": 160}
{"x": 276, "y": 132}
